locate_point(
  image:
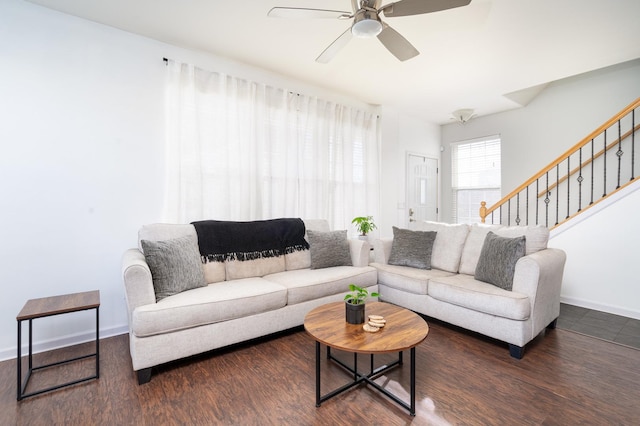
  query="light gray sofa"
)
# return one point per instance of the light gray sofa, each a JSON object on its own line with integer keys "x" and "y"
{"x": 449, "y": 291}
{"x": 242, "y": 300}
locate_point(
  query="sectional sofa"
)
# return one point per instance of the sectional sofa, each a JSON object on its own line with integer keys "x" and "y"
{"x": 226, "y": 296}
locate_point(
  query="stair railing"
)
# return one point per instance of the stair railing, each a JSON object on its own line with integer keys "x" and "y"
{"x": 557, "y": 193}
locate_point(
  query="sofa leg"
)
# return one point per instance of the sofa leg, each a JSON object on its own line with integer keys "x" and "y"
{"x": 552, "y": 324}
{"x": 144, "y": 376}
{"x": 516, "y": 351}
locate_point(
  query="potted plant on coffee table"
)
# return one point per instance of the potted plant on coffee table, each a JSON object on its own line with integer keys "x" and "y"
{"x": 364, "y": 225}
{"x": 355, "y": 303}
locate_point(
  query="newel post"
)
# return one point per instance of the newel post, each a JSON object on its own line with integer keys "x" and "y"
{"x": 483, "y": 211}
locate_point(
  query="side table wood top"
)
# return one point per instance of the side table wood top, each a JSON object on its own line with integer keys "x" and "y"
{"x": 47, "y": 306}
{"x": 404, "y": 329}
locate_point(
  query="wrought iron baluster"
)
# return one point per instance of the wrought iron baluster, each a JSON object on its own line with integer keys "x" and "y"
{"x": 604, "y": 180}
{"x": 580, "y": 179}
{"x": 557, "y": 191}
{"x": 568, "y": 184}
{"x": 546, "y": 201}
{"x": 633, "y": 142}
{"x": 537, "y": 200}
{"x": 518, "y": 208}
{"x": 592, "y": 161}
{"x": 619, "y": 153}
{"x": 509, "y": 212}
{"x": 527, "y": 208}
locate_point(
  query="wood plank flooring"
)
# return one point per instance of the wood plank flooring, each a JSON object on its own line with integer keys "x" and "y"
{"x": 462, "y": 379}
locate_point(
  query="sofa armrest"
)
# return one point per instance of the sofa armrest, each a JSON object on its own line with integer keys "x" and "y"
{"x": 360, "y": 251}
{"x": 382, "y": 250}
{"x": 138, "y": 284}
{"x": 539, "y": 276}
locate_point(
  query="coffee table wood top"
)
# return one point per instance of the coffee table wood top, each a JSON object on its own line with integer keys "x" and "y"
{"x": 404, "y": 329}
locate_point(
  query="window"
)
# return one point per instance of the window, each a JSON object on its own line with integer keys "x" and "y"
{"x": 244, "y": 150}
{"x": 475, "y": 169}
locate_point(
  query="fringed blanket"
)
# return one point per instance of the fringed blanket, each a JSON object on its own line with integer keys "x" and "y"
{"x": 222, "y": 240}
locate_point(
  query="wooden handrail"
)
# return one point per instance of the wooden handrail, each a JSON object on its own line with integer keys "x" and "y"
{"x": 484, "y": 211}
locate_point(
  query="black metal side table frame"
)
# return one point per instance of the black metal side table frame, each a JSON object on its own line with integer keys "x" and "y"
{"x": 374, "y": 373}
{"x": 31, "y": 368}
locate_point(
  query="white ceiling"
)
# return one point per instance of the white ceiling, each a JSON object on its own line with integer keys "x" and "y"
{"x": 492, "y": 55}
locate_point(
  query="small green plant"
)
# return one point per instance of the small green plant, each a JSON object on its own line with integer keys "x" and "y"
{"x": 358, "y": 295}
{"x": 364, "y": 224}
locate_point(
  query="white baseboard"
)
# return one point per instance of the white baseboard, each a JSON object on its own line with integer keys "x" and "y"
{"x": 69, "y": 340}
{"x": 616, "y": 310}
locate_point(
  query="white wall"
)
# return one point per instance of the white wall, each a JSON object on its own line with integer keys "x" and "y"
{"x": 533, "y": 136}
{"x": 602, "y": 269}
{"x": 82, "y": 160}
{"x": 401, "y": 134}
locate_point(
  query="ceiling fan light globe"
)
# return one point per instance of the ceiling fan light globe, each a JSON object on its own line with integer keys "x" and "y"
{"x": 366, "y": 24}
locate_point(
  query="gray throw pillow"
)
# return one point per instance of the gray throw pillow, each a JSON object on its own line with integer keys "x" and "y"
{"x": 175, "y": 265}
{"x": 498, "y": 258}
{"x": 412, "y": 248}
{"x": 328, "y": 249}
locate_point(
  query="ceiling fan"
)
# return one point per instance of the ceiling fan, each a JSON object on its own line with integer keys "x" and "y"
{"x": 367, "y": 22}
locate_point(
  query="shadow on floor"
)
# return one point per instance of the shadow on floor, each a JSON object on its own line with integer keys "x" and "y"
{"x": 603, "y": 325}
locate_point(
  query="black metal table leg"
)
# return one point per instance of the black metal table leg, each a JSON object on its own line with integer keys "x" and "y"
{"x": 318, "y": 373}
{"x": 412, "y": 411}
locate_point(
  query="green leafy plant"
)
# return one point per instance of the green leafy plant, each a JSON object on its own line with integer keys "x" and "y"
{"x": 364, "y": 224}
{"x": 358, "y": 295}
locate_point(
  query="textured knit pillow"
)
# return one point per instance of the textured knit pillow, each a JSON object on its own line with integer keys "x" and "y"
{"x": 328, "y": 249}
{"x": 412, "y": 248}
{"x": 175, "y": 265}
{"x": 498, "y": 258}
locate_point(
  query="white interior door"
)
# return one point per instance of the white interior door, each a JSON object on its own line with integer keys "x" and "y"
{"x": 422, "y": 188}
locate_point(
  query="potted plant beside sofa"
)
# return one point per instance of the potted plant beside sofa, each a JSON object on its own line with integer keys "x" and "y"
{"x": 355, "y": 303}
{"x": 364, "y": 225}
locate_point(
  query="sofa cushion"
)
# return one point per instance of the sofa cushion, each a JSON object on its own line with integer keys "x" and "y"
{"x": 465, "y": 291}
{"x": 175, "y": 265}
{"x": 473, "y": 247}
{"x": 406, "y": 278}
{"x": 206, "y": 305}
{"x": 311, "y": 284}
{"x": 302, "y": 259}
{"x": 328, "y": 249}
{"x": 498, "y": 259}
{"x": 238, "y": 269}
{"x": 412, "y": 248}
{"x": 537, "y": 238}
{"x": 447, "y": 248}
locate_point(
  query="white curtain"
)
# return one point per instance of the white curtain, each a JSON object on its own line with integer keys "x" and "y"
{"x": 241, "y": 150}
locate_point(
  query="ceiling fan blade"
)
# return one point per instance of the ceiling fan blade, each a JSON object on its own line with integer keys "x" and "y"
{"x": 418, "y": 7}
{"x": 297, "y": 12}
{"x": 396, "y": 44}
{"x": 335, "y": 47}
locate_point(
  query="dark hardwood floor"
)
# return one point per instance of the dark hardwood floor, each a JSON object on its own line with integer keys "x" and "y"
{"x": 564, "y": 378}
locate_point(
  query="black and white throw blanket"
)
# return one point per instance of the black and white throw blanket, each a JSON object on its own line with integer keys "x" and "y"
{"x": 222, "y": 240}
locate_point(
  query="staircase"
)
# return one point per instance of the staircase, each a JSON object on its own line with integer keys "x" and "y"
{"x": 599, "y": 166}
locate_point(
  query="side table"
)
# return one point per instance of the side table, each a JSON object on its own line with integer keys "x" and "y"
{"x": 46, "y": 307}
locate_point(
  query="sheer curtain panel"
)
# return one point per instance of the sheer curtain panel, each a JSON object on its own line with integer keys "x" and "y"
{"x": 242, "y": 150}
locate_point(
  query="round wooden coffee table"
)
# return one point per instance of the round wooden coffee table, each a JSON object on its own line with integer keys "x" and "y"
{"x": 404, "y": 330}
